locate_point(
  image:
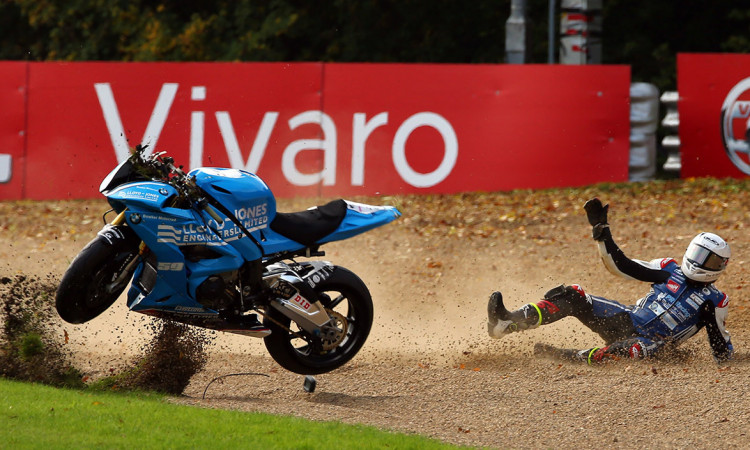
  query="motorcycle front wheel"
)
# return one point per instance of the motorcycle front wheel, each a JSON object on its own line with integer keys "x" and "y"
{"x": 96, "y": 277}
{"x": 348, "y": 301}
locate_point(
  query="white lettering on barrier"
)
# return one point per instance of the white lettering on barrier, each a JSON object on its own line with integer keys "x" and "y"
{"x": 361, "y": 130}
{"x": 233, "y": 147}
{"x": 197, "y": 93}
{"x": 445, "y": 129}
{"x": 328, "y": 144}
{"x": 6, "y": 166}
{"x": 114, "y": 123}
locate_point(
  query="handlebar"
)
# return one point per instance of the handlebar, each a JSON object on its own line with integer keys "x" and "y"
{"x": 162, "y": 168}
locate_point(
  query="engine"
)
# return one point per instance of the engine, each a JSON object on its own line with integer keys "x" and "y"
{"x": 219, "y": 292}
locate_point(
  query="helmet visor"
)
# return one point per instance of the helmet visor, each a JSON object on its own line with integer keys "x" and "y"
{"x": 705, "y": 258}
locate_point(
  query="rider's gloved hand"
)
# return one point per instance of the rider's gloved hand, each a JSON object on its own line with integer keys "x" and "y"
{"x": 597, "y": 215}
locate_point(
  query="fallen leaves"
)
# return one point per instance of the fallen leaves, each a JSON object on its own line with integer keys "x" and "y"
{"x": 462, "y": 366}
{"x": 485, "y": 215}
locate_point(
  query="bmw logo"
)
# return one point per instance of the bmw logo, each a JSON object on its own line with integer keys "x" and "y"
{"x": 135, "y": 218}
{"x": 163, "y": 191}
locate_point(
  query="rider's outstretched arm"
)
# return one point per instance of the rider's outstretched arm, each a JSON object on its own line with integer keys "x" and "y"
{"x": 713, "y": 317}
{"x": 613, "y": 257}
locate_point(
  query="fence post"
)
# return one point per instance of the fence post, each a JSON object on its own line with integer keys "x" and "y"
{"x": 644, "y": 120}
{"x": 671, "y": 141}
{"x": 515, "y": 33}
{"x": 580, "y": 32}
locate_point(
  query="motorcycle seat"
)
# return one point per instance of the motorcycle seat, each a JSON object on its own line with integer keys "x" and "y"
{"x": 307, "y": 227}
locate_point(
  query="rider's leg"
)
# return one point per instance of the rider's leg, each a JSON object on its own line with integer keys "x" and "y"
{"x": 633, "y": 348}
{"x": 608, "y": 318}
{"x": 559, "y": 302}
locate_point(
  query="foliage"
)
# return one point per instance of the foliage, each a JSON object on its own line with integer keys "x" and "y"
{"x": 645, "y": 35}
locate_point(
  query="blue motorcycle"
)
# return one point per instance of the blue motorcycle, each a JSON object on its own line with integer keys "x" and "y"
{"x": 209, "y": 249}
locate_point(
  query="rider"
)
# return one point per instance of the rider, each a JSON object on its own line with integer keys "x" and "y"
{"x": 682, "y": 300}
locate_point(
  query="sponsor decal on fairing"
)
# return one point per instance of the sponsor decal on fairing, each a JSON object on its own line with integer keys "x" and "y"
{"x": 170, "y": 266}
{"x": 188, "y": 235}
{"x": 319, "y": 275}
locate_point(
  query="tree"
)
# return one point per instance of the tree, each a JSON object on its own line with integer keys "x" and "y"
{"x": 645, "y": 35}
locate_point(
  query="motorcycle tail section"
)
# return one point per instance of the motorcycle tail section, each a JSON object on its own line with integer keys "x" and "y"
{"x": 361, "y": 218}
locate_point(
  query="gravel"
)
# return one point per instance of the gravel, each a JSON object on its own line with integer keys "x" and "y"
{"x": 429, "y": 367}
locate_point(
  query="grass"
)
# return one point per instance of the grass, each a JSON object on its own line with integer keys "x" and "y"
{"x": 38, "y": 416}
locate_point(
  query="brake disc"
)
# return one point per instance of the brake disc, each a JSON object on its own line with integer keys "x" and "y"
{"x": 334, "y": 332}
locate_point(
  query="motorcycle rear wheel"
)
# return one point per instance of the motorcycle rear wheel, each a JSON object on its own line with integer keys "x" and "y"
{"x": 90, "y": 285}
{"x": 347, "y": 298}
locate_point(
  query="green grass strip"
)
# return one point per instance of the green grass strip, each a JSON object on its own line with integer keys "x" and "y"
{"x": 37, "y": 416}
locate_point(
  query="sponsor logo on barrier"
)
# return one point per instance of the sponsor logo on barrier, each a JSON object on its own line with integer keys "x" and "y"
{"x": 362, "y": 129}
{"x": 318, "y": 129}
{"x": 735, "y": 125}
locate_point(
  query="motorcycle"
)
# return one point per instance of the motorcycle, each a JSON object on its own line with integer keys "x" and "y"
{"x": 208, "y": 248}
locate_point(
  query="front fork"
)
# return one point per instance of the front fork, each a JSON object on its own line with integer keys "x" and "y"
{"x": 142, "y": 250}
{"x": 120, "y": 219}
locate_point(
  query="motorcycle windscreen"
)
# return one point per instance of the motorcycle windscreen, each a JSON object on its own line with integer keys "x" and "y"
{"x": 123, "y": 173}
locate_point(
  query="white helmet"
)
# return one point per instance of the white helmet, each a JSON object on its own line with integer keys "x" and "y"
{"x": 705, "y": 258}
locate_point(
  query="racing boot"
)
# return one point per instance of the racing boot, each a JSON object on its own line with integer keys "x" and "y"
{"x": 500, "y": 321}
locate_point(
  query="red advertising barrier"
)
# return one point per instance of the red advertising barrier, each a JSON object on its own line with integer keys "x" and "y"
{"x": 12, "y": 128}
{"x": 312, "y": 129}
{"x": 714, "y": 112}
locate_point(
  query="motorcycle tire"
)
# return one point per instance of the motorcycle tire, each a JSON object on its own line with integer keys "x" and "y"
{"x": 88, "y": 287}
{"x": 345, "y": 294}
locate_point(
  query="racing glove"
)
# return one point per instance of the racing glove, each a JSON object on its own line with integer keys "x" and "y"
{"x": 597, "y": 216}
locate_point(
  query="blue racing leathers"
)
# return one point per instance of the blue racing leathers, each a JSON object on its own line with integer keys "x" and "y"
{"x": 675, "y": 309}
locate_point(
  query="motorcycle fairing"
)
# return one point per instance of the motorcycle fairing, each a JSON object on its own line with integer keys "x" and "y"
{"x": 166, "y": 231}
{"x": 244, "y": 195}
{"x": 149, "y": 195}
{"x": 169, "y": 284}
{"x": 252, "y": 203}
{"x": 360, "y": 218}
